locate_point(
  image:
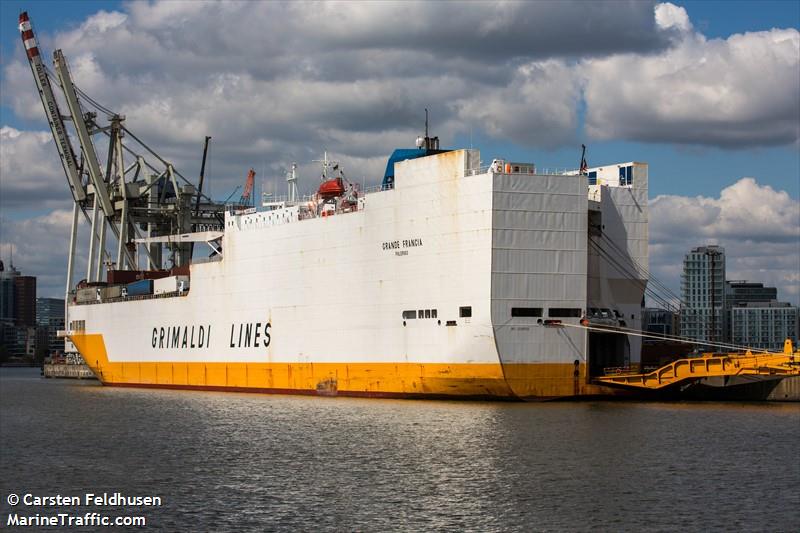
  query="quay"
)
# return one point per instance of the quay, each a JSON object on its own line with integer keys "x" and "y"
{"x": 67, "y": 371}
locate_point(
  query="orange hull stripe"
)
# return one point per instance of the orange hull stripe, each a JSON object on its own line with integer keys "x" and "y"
{"x": 405, "y": 380}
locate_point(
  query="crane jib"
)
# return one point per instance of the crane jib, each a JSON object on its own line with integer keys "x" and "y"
{"x": 67, "y": 155}
{"x": 54, "y": 116}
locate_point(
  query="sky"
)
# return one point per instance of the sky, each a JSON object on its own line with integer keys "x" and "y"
{"x": 707, "y": 93}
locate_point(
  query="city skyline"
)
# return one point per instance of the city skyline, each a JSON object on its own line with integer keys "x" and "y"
{"x": 724, "y": 170}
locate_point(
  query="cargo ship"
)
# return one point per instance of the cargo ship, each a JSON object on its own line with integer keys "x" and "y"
{"x": 453, "y": 278}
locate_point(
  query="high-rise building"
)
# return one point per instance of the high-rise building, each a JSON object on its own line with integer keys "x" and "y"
{"x": 17, "y": 313}
{"x": 741, "y": 292}
{"x": 50, "y": 319}
{"x": 8, "y": 332}
{"x": 7, "y": 291}
{"x": 25, "y": 301}
{"x": 734, "y": 312}
{"x": 764, "y": 325}
{"x": 703, "y": 294}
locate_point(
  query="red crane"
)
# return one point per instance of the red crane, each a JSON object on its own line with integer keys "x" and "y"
{"x": 247, "y": 194}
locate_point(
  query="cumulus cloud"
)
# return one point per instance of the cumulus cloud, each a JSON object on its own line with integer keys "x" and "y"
{"x": 280, "y": 33}
{"x": 274, "y": 82}
{"x": 40, "y": 245}
{"x": 279, "y": 82}
{"x": 735, "y": 92}
{"x": 758, "y": 226}
{"x": 538, "y": 107}
{"x": 672, "y": 16}
{"x": 30, "y": 172}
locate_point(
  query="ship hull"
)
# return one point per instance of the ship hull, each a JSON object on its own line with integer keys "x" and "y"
{"x": 376, "y": 380}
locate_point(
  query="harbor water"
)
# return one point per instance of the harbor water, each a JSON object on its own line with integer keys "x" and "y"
{"x": 238, "y": 462}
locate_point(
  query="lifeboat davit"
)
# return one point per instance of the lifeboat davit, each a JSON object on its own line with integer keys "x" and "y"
{"x": 331, "y": 188}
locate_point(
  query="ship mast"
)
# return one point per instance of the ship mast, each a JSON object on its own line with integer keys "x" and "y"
{"x": 327, "y": 164}
{"x": 291, "y": 180}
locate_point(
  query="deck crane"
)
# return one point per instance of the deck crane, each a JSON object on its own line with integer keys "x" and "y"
{"x": 148, "y": 194}
{"x": 247, "y": 194}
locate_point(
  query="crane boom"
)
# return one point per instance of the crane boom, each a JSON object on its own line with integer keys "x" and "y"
{"x": 65, "y": 151}
{"x": 95, "y": 174}
{"x": 128, "y": 198}
{"x": 248, "y": 188}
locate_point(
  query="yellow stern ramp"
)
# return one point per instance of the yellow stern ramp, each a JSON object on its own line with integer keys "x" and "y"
{"x": 747, "y": 365}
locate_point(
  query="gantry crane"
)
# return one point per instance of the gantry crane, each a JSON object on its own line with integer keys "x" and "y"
{"x": 122, "y": 199}
{"x": 148, "y": 195}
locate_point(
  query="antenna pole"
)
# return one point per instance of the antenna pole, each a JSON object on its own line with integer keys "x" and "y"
{"x": 584, "y": 168}
{"x": 202, "y": 175}
{"x": 426, "y": 122}
{"x": 291, "y": 178}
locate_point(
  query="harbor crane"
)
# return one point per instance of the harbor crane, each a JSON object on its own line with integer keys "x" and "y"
{"x": 139, "y": 198}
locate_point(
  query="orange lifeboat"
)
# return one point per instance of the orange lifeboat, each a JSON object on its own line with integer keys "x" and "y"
{"x": 331, "y": 188}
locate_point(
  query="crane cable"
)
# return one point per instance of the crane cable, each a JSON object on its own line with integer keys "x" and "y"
{"x": 639, "y": 333}
{"x": 623, "y": 269}
{"x": 631, "y": 277}
{"x": 104, "y": 109}
{"x": 661, "y": 285}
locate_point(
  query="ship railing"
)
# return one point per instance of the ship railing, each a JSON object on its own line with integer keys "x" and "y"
{"x": 305, "y": 199}
{"x": 134, "y": 298}
{"x": 556, "y": 171}
{"x": 305, "y": 210}
{"x": 284, "y": 199}
{"x": 375, "y": 188}
{"x": 213, "y": 259}
{"x": 620, "y": 370}
{"x": 477, "y": 171}
{"x": 633, "y": 369}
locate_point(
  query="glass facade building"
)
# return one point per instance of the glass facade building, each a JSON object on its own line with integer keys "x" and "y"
{"x": 764, "y": 325}
{"x": 703, "y": 294}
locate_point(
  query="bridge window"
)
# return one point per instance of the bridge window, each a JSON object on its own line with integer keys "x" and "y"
{"x": 625, "y": 175}
{"x": 465, "y": 312}
{"x": 593, "y": 177}
{"x": 409, "y": 315}
{"x": 526, "y": 311}
{"x": 564, "y": 312}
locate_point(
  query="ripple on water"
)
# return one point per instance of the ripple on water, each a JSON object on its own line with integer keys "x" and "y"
{"x": 225, "y": 461}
